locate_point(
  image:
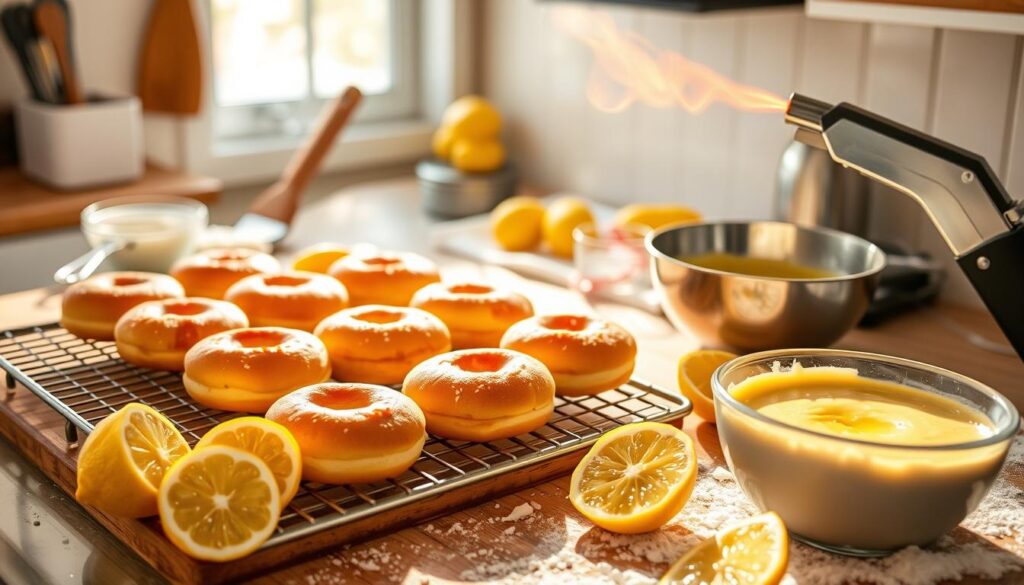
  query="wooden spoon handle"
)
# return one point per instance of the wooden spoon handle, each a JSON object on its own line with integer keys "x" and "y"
{"x": 305, "y": 163}
{"x": 52, "y": 24}
{"x": 281, "y": 200}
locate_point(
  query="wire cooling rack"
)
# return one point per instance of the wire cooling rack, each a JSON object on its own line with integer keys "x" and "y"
{"x": 86, "y": 380}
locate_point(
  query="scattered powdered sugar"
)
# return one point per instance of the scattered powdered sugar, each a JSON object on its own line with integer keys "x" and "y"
{"x": 555, "y": 549}
{"x": 518, "y": 513}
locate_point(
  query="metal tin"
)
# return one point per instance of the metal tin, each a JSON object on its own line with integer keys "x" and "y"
{"x": 449, "y": 192}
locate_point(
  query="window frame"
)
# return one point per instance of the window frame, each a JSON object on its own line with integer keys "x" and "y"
{"x": 444, "y": 64}
{"x": 398, "y": 103}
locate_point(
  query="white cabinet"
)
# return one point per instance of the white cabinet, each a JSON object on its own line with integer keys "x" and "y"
{"x": 956, "y": 14}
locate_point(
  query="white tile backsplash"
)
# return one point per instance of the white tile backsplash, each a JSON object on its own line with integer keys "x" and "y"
{"x": 964, "y": 87}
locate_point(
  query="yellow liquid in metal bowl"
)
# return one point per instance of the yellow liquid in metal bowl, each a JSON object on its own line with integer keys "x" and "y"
{"x": 750, "y": 266}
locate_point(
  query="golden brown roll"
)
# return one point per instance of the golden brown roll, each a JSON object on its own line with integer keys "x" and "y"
{"x": 586, "y": 355}
{"x": 384, "y": 278}
{"x": 482, "y": 394}
{"x": 379, "y": 344}
{"x": 352, "y": 433}
{"x": 156, "y": 334}
{"x": 477, "y": 315}
{"x": 246, "y": 370}
{"x": 298, "y": 300}
{"x": 211, "y": 272}
{"x": 92, "y": 307}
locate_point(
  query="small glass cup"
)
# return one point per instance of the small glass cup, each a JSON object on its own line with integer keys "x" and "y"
{"x": 851, "y": 496}
{"x": 610, "y": 260}
{"x": 145, "y": 232}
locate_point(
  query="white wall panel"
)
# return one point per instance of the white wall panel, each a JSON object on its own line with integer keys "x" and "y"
{"x": 832, "y": 60}
{"x": 973, "y": 84}
{"x": 898, "y": 84}
{"x": 1015, "y": 155}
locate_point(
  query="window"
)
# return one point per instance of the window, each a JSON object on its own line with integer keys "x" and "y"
{"x": 276, "y": 62}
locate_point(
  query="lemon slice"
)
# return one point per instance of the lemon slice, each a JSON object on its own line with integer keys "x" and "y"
{"x": 695, "y": 370}
{"x": 123, "y": 461}
{"x": 267, "y": 440}
{"x": 219, "y": 503}
{"x": 635, "y": 478}
{"x": 754, "y": 552}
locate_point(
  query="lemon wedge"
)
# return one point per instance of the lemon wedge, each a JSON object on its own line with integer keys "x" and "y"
{"x": 695, "y": 370}
{"x": 219, "y": 503}
{"x": 123, "y": 461}
{"x": 635, "y": 478}
{"x": 753, "y": 552}
{"x": 516, "y": 223}
{"x": 267, "y": 440}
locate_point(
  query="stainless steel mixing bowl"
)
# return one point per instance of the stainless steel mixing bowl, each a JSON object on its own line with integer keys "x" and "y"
{"x": 754, "y": 312}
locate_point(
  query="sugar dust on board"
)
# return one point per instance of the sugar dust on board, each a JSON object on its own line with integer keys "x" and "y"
{"x": 751, "y": 266}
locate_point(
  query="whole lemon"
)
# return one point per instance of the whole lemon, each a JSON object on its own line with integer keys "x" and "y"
{"x": 442, "y": 142}
{"x": 655, "y": 215}
{"x": 560, "y": 220}
{"x": 516, "y": 223}
{"x": 477, "y": 156}
{"x": 473, "y": 117}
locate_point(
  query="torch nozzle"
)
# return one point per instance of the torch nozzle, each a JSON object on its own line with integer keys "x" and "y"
{"x": 806, "y": 112}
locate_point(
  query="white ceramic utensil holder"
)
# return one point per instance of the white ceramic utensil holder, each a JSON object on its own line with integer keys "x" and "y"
{"x": 85, "y": 145}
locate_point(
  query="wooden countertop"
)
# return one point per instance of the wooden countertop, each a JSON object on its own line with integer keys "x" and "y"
{"x": 449, "y": 549}
{"x": 28, "y": 206}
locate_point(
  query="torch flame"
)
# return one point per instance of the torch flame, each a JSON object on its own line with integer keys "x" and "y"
{"x": 627, "y": 68}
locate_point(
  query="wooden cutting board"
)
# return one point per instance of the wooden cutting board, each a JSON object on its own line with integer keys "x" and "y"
{"x": 170, "y": 67}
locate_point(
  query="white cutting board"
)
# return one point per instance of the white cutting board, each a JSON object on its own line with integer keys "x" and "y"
{"x": 470, "y": 238}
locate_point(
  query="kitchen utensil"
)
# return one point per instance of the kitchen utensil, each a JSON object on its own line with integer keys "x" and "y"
{"x": 85, "y": 380}
{"x": 170, "y": 66}
{"x": 981, "y": 224}
{"x": 866, "y": 498}
{"x": 755, "y": 312}
{"x": 147, "y": 232}
{"x": 53, "y": 23}
{"x": 449, "y": 192}
{"x": 610, "y": 260}
{"x": 270, "y": 214}
{"x": 811, "y": 189}
{"x": 17, "y": 21}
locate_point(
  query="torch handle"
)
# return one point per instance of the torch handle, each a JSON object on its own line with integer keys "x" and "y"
{"x": 996, "y": 269}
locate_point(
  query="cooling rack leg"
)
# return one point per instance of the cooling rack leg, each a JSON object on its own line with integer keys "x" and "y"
{"x": 10, "y": 383}
{"x": 70, "y": 432}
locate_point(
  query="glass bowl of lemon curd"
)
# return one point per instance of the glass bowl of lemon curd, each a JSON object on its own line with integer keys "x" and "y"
{"x": 859, "y": 453}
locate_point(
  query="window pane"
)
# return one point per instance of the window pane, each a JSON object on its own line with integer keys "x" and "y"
{"x": 352, "y": 46}
{"x": 259, "y": 50}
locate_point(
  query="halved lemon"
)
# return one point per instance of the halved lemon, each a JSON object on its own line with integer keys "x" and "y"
{"x": 695, "y": 370}
{"x": 267, "y": 440}
{"x": 753, "y": 552}
{"x": 219, "y": 503}
{"x": 123, "y": 461}
{"x": 635, "y": 478}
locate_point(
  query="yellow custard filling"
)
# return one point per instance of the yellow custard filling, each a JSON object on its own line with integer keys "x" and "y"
{"x": 839, "y": 402}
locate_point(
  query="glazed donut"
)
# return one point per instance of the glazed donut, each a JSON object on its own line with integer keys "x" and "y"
{"x": 92, "y": 307}
{"x": 246, "y": 370}
{"x": 586, "y": 355}
{"x": 298, "y": 300}
{"x": 379, "y": 344}
{"x": 477, "y": 315}
{"x": 211, "y": 272}
{"x": 156, "y": 334}
{"x": 352, "y": 433}
{"x": 482, "y": 394}
{"x": 383, "y": 278}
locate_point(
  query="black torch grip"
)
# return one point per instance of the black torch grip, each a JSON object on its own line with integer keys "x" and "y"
{"x": 996, "y": 269}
